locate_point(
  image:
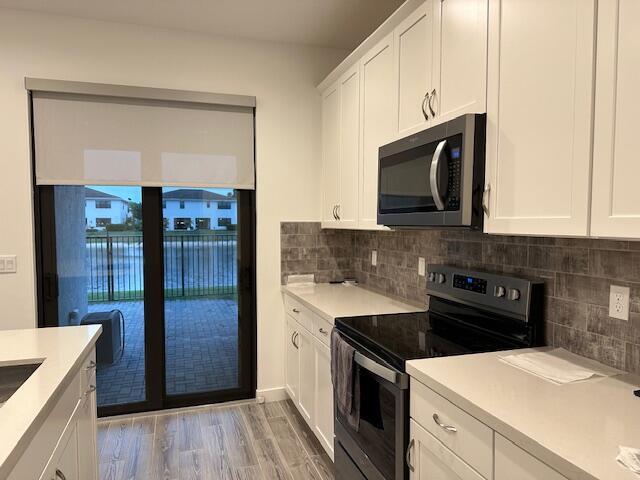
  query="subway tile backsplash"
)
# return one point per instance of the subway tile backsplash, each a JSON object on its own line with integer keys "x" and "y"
{"x": 577, "y": 275}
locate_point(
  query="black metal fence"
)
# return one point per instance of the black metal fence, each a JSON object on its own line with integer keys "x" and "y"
{"x": 197, "y": 264}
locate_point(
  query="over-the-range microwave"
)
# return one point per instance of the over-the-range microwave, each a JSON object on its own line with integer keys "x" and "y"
{"x": 434, "y": 178}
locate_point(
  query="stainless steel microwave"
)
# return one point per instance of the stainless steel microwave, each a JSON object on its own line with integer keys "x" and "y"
{"x": 434, "y": 178}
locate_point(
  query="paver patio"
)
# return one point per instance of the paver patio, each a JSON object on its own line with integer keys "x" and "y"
{"x": 201, "y": 349}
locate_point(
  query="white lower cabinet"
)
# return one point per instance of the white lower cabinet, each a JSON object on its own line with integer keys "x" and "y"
{"x": 64, "y": 448}
{"x": 514, "y": 463}
{"x": 429, "y": 459}
{"x": 308, "y": 370}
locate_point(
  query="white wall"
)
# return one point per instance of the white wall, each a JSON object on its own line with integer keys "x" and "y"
{"x": 282, "y": 77}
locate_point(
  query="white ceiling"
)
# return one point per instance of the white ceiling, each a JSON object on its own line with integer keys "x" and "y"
{"x": 329, "y": 23}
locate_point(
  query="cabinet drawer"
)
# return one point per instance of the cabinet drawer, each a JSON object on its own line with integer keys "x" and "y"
{"x": 322, "y": 330}
{"x": 513, "y": 462}
{"x": 472, "y": 440}
{"x": 300, "y": 313}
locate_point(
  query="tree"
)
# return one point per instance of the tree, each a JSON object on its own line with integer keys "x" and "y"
{"x": 135, "y": 220}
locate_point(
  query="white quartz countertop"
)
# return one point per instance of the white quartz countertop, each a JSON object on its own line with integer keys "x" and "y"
{"x": 574, "y": 428}
{"x": 61, "y": 351}
{"x": 332, "y": 301}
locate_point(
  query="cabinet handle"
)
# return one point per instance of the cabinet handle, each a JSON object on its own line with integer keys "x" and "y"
{"x": 485, "y": 199}
{"x": 408, "y": 455}
{"x": 295, "y": 310}
{"x": 431, "y": 97}
{"x": 424, "y": 109}
{"x": 334, "y": 213}
{"x": 90, "y": 390}
{"x": 60, "y": 475}
{"x": 338, "y": 211}
{"x": 295, "y": 340}
{"x": 448, "y": 428}
{"x": 91, "y": 366}
{"x": 323, "y": 331}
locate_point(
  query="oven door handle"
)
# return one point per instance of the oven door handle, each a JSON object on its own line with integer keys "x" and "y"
{"x": 434, "y": 177}
{"x": 397, "y": 378}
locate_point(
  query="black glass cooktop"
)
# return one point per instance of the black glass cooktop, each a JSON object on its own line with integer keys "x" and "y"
{"x": 400, "y": 337}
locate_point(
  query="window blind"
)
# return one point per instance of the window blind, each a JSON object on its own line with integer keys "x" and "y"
{"x": 108, "y": 140}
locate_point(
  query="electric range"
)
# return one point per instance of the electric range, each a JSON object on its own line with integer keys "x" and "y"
{"x": 469, "y": 312}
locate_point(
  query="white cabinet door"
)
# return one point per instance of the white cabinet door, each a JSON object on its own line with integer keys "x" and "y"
{"x": 616, "y": 167}
{"x": 460, "y": 57}
{"x": 431, "y": 460}
{"x": 324, "y": 397}
{"x": 330, "y": 154}
{"x": 413, "y": 40}
{"x": 67, "y": 466}
{"x": 307, "y": 393}
{"x": 292, "y": 360}
{"x": 349, "y": 148}
{"x": 378, "y": 123}
{"x": 514, "y": 463}
{"x": 539, "y": 116}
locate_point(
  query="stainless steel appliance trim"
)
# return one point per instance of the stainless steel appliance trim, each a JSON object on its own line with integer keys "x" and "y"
{"x": 381, "y": 371}
{"x": 433, "y": 175}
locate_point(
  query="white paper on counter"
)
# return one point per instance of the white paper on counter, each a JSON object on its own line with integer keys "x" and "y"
{"x": 559, "y": 366}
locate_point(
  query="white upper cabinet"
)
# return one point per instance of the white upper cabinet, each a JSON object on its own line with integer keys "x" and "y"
{"x": 616, "y": 166}
{"x": 539, "y": 116}
{"x": 349, "y": 148}
{"x": 460, "y": 57}
{"x": 413, "y": 39}
{"x": 378, "y": 124}
{"x": 330, "y": 154}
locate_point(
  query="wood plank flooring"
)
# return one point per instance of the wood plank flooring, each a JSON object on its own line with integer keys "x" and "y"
{"x": 229, "y": 442}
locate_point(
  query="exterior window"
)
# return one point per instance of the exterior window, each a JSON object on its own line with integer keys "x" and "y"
{"x": 182, "y": 223}
{"x": 224, "y": 205}
{"x": 164, "y": 204}
{"x": 224, "y": 222}
{"x": 203, "y": 223}
{"x": 208, "y": 204}
{"x": 103, "y": 222}
{"x": 182, "y": 204}
{"x": 103, "y": 203}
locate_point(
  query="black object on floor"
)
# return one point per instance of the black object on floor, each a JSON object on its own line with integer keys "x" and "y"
{"x": 110, "y": 344}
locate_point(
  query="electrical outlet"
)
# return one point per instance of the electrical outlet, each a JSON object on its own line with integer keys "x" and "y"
{"x": 421, "y": 266}
{"x": 8, "y": 264}
{"x": 619, "y": 302}
{"x": 374, "y": 257}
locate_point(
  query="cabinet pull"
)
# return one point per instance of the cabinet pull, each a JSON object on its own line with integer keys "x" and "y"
{"x": 323, "y": 331}
{"x": 90, "y": 390}
{"x": 431, "y": 97}
{"x": 91, "y": 366}
{"x": 334, "y": 212}
{"x": 338, "y": 211}
{"x": 60, "y": 475}
{"x": 293, "y": 338}
{"x": 485, "y": 199}
{"x": 424, "y": 109}
{"x": 295, "y": 310}
{"x": 408, "y": 455}
{"x": 448, "y": 428}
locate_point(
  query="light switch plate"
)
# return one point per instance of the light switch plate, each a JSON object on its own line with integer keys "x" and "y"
{"x": 421, "y": 266}
{"x": 8, "y": 264}
{"x": 619, "y": 302}
{"x": 374, "y": 257}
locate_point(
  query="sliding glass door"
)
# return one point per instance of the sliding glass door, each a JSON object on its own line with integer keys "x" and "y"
{"x": 169, "y": 275}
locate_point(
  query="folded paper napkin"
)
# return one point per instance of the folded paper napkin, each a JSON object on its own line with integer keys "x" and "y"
{"x": 629, "y": 458}
{"x": 559, "y": 366}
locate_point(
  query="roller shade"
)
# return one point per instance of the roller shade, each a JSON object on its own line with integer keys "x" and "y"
{"x": 106, "y": 140}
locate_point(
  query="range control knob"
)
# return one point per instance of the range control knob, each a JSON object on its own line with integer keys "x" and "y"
{"x": 499, "y": 291}
{"x": 440, "y": 278}
{"x": 432, "y": 277}
{"x": 513, "y": 294}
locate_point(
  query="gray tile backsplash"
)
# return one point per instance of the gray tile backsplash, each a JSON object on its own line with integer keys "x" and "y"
{"x": 577, "y": 275}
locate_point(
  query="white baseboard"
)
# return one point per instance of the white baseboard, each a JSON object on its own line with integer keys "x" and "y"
{"x": 273, "y": 394}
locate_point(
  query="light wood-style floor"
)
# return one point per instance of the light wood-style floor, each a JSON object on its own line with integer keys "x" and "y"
{"x": 243, "y": 441}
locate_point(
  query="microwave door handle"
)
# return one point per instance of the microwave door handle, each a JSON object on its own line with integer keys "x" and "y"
{"x": 392, "y": 376}
{"x": 433, "y": 175}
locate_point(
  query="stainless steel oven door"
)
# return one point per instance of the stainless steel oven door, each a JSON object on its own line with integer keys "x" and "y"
{"x": 377, "y": 447}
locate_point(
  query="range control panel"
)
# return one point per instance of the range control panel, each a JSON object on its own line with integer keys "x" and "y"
{"x": 486, "y": 290}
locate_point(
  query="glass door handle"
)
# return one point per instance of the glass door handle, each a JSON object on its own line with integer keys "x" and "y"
{"x": 434, "y": 177}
